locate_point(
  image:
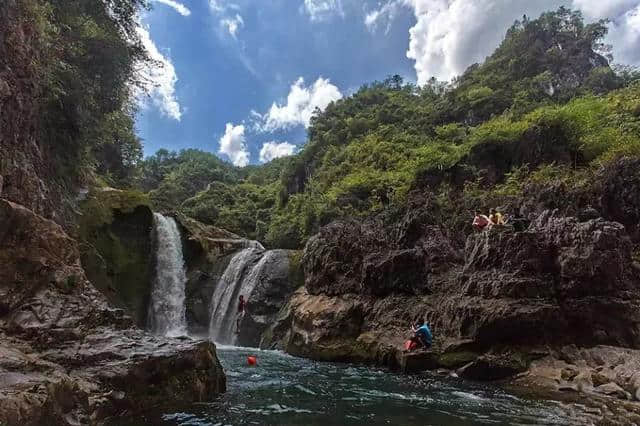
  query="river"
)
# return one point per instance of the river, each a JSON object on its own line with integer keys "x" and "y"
{"x": 284, "y": 390}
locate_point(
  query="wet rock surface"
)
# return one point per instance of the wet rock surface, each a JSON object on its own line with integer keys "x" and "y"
{"x": 508, "y": 299}
{"x": 118, "y": 258}
{"x": 66, "y": 355}
{"x": 275, "y": 281}
{"x": 207, "y": 251}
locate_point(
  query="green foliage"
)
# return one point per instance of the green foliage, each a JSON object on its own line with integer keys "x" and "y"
{"x": 85, "y": 61}
{"x": 97, "y": 210}
{"x": 544, "y": 109}
{"x": 180, "y": 176}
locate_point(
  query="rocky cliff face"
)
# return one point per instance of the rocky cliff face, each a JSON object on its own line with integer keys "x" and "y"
{"x": 68, "y": 357}
{"x": 276, "y": 277}
{"x": 561, "y": 282}
{"x": 207, "y": 251}
{"x": 26, "y": 172}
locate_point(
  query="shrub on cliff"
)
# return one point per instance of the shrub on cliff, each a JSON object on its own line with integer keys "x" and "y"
{"x": 84, "y": 56}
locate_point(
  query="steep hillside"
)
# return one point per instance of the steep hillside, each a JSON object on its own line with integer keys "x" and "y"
{"x": 545, "y": 103}
{"x": 66, "y": 80}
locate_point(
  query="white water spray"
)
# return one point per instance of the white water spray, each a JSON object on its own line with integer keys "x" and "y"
{"x": 166, "y": 314}
{"x": 238, "y": 279}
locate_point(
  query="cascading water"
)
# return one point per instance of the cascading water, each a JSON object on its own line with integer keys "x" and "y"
{"x": 166, "y": 314}
{"x": 234, "y": 282}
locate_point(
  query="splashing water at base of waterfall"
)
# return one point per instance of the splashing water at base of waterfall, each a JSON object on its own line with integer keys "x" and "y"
{"x": 166, "y": 314}
{"x": 240, "y": 278}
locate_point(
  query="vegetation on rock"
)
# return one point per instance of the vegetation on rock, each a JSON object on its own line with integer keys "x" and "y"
{"x": 545, "y": 108}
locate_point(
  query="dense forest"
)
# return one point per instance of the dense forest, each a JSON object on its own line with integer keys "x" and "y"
{"x": 547, "y": 107}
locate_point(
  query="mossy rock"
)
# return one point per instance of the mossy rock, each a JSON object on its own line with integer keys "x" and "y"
{"x": 101, "y": 205}
{"x": 117, "y": 254}
{"x": 296, "y": 272}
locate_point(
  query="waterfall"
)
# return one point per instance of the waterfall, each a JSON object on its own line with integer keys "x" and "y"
{"x": 166, "y": 314}
{"x": 237, "y": 280}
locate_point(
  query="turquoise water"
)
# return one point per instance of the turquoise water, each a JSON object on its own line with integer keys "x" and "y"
{"x": 284, "y": 390}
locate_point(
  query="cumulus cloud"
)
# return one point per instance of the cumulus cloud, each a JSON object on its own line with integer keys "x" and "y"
{"x": 301, "y": 103}
{"x": 232, "y": 24}
{"x": 159, "y": 78}
{"x": 272, "y": 150}
{"x": 319, "y": 10}
{"x": 233, "y": 145}
{"x": 450, "y": 35}
{"x": 178, "y": 7}
{"x": 218, "y": 6}
{"x": 386, "y": 13}
{"x": 624, "y": 35}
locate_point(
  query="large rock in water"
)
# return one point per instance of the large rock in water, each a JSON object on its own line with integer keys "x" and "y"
{"x": 66, "y": 356}
{"x": 276, "y": 276}
{"x": 563, "y": 281}
{"x": 207, "y": 251}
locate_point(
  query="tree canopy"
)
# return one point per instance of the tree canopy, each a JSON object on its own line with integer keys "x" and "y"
{"x": 546, "y": 95}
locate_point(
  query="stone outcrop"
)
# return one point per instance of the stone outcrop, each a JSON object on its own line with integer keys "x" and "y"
{"x": 117, "y": 250}
{"x": 207, "y": 251}
{"x": 277, "y": 275}
{"x": 620, "y": 198}
{"x": 67, "y": 356}
{"x": 563, "y": 281}
{"x": 26, "y": 168}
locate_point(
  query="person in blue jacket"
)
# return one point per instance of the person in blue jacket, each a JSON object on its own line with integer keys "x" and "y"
{"x": 422, "y": 334}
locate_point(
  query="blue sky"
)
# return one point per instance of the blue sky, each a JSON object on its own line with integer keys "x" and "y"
{"x": 241, "y": 77}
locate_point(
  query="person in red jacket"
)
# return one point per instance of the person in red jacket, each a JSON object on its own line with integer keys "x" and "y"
{"x": 481, "y": 222}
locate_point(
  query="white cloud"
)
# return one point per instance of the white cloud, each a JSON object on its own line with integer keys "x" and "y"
{"x": 228, "y": 20}
{"x": 450, "y": 35}
{"x": 301, "y": 103}
{"x": 272, "y": 150}
{"x": 159, "y": 78}
{"x": 611, "y": 9}
{"x": 319, "y": 10}
{"x": 386, "y": 13}
{"x": 624, "y": 35}
{"x": 232, "y": 24}
{"x": 179, "y": 7}
{"x": 218, "y": 6}
{"x": 233, "y": 145}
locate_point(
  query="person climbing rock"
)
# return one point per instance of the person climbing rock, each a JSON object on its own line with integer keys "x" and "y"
{"x": 242, "y": 309}
{"x": 496, "y": 217}
{"x": 480, "y": 221}
{"x": 422, "y": 335}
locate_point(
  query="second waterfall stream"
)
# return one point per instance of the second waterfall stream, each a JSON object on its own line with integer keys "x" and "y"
{"x": 240, "y": 278}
